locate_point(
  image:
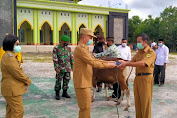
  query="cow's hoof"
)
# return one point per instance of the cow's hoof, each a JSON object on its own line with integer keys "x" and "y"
{"x": 93, "y": 99}
{"x": 118, "y": 102}
{"x": 126, "y": 109}
{"x": 108, "y": 98}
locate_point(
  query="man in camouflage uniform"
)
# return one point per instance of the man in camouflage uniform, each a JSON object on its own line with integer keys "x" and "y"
{"x": 63, "y": 64}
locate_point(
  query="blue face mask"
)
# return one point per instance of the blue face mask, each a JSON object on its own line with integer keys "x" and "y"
{"x": 139, "y": 46}
{"x": 90, "y": 42}
{"x": 160, "y": 44}
{"x": 17, "y": 49}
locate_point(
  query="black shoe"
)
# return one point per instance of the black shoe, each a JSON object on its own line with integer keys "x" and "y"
{"x": 161, "y": 84}
{"x": 57, "y": 96}
{"x": 65, "y": 94}
{"x": 98, "y": 90}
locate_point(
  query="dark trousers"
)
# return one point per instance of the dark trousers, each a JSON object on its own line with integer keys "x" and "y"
{"x": 115, "y": 86}
{"x": 159, "y": 74}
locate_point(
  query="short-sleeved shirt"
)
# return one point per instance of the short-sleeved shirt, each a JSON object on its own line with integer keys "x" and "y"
{"x": 148, "y": 56}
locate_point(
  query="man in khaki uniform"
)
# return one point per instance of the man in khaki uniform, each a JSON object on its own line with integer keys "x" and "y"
{"x": 14, "y": 81}
{"x": 82, "y": 71}
{"x": 143, "y": 84}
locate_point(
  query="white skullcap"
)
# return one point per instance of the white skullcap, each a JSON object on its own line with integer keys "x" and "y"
{"x": 153, "y": 44}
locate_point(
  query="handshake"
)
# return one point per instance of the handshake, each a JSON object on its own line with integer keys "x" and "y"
{"x": 120, "y": 64}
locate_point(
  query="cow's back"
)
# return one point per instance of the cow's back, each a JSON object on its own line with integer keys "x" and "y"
{"x": 105, "y": 75}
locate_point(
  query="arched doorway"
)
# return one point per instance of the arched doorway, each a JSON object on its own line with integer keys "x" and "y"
{"x": 25, "y": 33}
{"x": 78, "y": 31}
{"x": 46, "y": 34}
{"x": 97, "y": 31}
{"x": 65, "y": 30}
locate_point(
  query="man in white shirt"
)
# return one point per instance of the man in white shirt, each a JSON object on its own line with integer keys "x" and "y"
{"x": 125, "y": 53}
{"x": 161, "y": 61}
{"x": 125, "y": 50}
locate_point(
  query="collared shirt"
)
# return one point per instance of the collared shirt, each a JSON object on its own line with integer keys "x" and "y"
{"x": 19, "y": 55}
{"x": 14, "y": 80}
{"x": 162, "y": 55}
{"x": 111, "y": 51}
{"x": 125, "y": 52}
{"x": 83, "y": 63}
{"x": 62, "y": 58}
{"x": 148, "y": 56}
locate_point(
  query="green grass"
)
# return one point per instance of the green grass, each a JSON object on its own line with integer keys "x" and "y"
{"x": 173, "y": 53}
{"x": 47, "y": 60}
{"x": 171, "y": 57}
{"x": 38, "y": 57}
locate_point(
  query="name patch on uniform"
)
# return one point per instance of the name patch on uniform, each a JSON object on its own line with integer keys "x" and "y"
{"x": 148, "y": 55}
{"x": 10, "y": 55}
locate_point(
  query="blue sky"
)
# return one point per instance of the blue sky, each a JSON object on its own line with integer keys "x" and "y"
{"x": 142, "y": 8}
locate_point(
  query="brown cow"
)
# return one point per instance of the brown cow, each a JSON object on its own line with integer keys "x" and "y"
{"x": 110, "y": 76}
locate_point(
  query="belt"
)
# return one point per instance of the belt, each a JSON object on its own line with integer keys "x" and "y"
{"x": 140, "y": 74}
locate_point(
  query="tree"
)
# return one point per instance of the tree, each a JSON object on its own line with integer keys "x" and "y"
{"x": 164, "y": 27}
{"x": 133, "y": 23}
{"x": 168, "y": 27}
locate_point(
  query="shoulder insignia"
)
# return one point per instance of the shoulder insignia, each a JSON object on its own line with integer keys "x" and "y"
{"x": 148, "y": 55}
{"x": 10, "y": 55}
{"x": 82, "y": 46}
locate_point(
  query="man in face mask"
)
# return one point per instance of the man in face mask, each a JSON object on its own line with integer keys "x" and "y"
{"x": 154, "y": 46}
{"x": 63, "y": 64}
{"x": 143, "y": 60}
{"x": 125, "y": 55}
{"x": 111, "y": 51}
{"x": 82, "y": 71}
{"x": 99, "y": 47}
{"x": 160, "y": 63}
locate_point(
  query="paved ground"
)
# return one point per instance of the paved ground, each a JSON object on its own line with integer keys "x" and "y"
{"x": 39, "y": 101}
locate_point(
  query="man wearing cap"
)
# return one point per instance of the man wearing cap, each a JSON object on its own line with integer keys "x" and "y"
{"x": 111, "y": 51}
{"x": 63, "y": 64}
{"x": 154, "y": 46}
{"x": 160, "y": 63}
{"x": 82, "y": 71}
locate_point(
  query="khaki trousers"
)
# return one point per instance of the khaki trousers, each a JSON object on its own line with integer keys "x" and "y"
{"x": 14, "y": 106}
{"x": 143, "y": 88}
{"x": 83, "y": 96}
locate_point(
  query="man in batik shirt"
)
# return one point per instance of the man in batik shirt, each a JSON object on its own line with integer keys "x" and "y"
{"x": 111, "y": 51}
{"x": 63, "y": 64}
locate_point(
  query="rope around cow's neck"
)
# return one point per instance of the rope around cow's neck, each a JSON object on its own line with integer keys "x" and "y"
{"x": 118, "y": 88}
{"x": 129, "y": 76}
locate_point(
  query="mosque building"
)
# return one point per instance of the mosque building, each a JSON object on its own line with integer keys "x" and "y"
{"x": 43, "y": 22}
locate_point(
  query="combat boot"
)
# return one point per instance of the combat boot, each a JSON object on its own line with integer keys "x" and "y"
{"x": 57, "y": 97}
{"x": 65, "y": 94}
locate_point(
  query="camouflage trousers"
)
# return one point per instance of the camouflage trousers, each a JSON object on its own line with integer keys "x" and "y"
{"x": 66, "y": 77}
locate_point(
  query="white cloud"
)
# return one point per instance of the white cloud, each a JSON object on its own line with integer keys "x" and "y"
{"x": 142, "y": 8}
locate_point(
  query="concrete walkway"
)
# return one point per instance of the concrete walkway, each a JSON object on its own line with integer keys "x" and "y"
{"x": 39, "y": 101}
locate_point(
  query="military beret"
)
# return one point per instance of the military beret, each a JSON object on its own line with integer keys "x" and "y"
{"x": 65, "y": 38}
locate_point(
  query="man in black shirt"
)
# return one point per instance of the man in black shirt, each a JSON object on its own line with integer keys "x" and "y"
{"x": 100, "y": 46}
